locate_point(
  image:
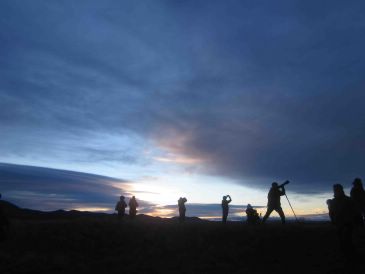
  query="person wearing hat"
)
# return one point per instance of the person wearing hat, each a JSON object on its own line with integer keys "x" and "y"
{"x": 273, "y": 202}
{"x": 120, "y": 207}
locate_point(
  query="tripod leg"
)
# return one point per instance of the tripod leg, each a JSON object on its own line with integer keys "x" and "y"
{"x": 292, "y": 208}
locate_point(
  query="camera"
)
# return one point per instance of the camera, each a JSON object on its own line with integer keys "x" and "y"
{"x": 285, "y": 183}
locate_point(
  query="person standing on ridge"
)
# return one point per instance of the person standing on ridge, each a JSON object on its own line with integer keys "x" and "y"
{"x": 120, "y": 207}
{"x": 357, "y": 195}
{"x": 225, "y": 207}
{"x": 182, "y": 209}
{"x": 344, "y": 215}
{"x": 133, "y": 207}
{"x": 273, "y": 201}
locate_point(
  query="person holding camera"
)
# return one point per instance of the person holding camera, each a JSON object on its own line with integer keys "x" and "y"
{"x": 226, "y": 200}
{"x": 273, "y": 202}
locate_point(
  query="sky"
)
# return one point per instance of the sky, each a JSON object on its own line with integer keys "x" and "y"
{"x": 164, "y": 99}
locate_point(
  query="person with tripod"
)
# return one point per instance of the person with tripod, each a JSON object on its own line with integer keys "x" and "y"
{"x": 273, "y": 202}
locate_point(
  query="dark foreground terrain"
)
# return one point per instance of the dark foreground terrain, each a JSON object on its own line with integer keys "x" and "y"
{"x": 103, "y": 244}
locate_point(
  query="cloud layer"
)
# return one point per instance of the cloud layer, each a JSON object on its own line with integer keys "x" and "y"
{"x": 251, "y": 91}
{"x": 52, "y": 189}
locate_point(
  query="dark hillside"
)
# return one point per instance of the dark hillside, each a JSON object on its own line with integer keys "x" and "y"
{"x": 97, "y": 245}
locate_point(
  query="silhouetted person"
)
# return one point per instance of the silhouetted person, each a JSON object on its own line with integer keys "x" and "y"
{"x": 273, "y": 202}
{"x": 133, "y": 207}
{"x": 3, "y": 223}
{"x": 182, "y": 209}
{"x": 344, "y": 215}
{"x": 252, "y": 215}
{"x": 357, "y": 194}
{"x": 120, "y": 207}
{"x": 225, "y": 207}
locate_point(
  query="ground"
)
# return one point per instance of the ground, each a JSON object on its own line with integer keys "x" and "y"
{"x": 106, "y": 245}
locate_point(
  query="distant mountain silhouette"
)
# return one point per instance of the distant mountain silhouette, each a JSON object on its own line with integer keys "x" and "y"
{"x": 14, "y": 212}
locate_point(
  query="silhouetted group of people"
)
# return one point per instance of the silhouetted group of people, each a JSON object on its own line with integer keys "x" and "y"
{"x": 347, "y": 213}
{"x": 122, "y": 205}
{"x": 253, "y": 217}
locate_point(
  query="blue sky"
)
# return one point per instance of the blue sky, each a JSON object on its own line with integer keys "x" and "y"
{"x": 187, "y": 98}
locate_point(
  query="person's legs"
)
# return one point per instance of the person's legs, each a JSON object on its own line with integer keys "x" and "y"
{"x": 280, "y": 211}
{"x": 267, "y": 214}
{"x": 345, "y": 237}
{"x": 183, "y": 214}
{"x": 224, "y": 217}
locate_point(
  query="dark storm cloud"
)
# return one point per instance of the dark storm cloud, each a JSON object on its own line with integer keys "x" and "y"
{"x": 258, "y": 90}
{"x": 51, "y": 189}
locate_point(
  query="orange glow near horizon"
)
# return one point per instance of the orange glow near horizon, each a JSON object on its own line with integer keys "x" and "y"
{"x": 94, "y": 209}
{"x": 163, "y": 212}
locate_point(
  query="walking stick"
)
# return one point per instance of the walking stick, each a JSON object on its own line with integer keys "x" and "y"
{"x": 292, "y": 208}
